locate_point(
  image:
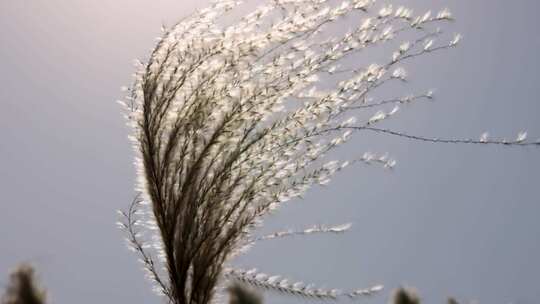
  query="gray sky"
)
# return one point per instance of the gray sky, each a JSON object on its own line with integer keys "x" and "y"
{"x": 449, "y": 220}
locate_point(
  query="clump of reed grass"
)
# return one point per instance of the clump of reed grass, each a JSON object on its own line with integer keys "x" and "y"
{"x": 23, "y": 287}
{"x": 240, "y": 294}
{"x": 404, "y": 295}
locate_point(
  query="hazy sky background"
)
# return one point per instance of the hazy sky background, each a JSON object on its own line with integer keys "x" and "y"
{"x": 449, "y": 220}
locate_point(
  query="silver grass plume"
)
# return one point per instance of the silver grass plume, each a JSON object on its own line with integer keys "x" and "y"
{"x": 229, "y": 122}
{"x": 23, "y": 288}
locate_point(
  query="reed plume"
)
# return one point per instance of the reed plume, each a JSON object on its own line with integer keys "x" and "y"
{"x": 230, "y": 121}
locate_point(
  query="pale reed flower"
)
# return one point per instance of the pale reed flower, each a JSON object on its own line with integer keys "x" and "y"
{"x": 229, "y": 123}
